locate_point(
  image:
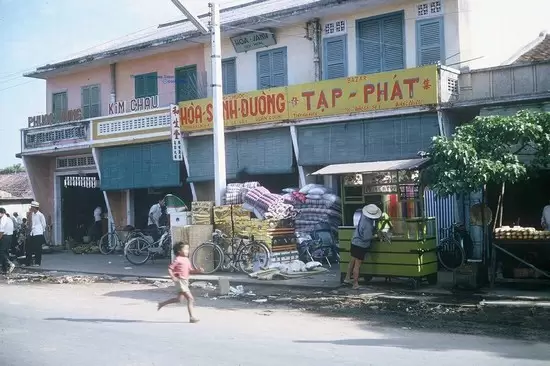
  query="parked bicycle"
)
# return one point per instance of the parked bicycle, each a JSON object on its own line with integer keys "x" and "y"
{"x": 245, "y": 257}
{"x": 450, "y": 251}
{"x": 115, "y": 240}
{"x": 145, "y": 249}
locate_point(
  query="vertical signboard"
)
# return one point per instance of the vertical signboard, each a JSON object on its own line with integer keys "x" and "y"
{"x": 177, "y": 139}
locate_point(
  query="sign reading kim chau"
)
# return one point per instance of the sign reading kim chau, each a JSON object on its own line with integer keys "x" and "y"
{"x": 177, "y": 139}
{"x": 354, "y": 94}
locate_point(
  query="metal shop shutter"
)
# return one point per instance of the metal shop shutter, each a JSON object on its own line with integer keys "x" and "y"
{"x": 200, "y": 151}
{"x": 265, "y": 151}
{"x": 138, "y": 166}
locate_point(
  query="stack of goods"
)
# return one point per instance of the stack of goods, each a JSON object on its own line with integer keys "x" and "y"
{"x": 223, "y": 220}
{"x": 235, "y": 192}
{"x": 201, "y": 212}
{"x": 279, "y": 235}
{"x": 267, "y": 205}
{"x": 315, "y": 205}
{"x": 520, "y": 233}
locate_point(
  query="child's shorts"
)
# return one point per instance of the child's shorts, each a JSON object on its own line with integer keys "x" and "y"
{"x": 182, "y": 285}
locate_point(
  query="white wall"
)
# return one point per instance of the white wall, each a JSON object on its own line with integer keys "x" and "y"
{"x": 20, "y": 208}
{"x": 299, "y": 58}
{"x": 300, "y": 49}
{"x": 499, "y": 28}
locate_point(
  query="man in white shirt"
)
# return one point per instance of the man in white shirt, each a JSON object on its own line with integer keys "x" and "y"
{"x": 6, "y": 233}
{"x": 545, "y": 219}
{"x": 36, "y": 236}
{"x": 97, "y": 230}
{"x": 155, "y": 212}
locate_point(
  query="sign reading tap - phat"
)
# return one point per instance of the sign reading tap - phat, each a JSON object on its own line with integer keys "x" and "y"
{"x": 354, "y": 94}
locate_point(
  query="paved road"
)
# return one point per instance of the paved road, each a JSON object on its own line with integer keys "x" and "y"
{"x": 117, "y": 324}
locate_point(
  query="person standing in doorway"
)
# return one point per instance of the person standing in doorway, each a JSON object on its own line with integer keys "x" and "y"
{"x": 545, "y": 219}
{"x": 361, "y": 242}
{"x": 36, "y": 238}
{"x": 97, "y": 229}
{"x": 6, "y": 234}
{"x": 153, "y": 222}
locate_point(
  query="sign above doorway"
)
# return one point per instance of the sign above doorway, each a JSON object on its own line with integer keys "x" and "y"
{"x": 254, "y": 40}
{"x": 134, "y": 105}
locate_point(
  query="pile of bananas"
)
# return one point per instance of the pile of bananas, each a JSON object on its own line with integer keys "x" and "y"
{"x": 86, "y": 249}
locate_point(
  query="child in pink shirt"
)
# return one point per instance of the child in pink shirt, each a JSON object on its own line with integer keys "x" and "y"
{"x": 179, "y": 271}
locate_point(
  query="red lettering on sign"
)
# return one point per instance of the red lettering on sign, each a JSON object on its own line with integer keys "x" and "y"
{"x": 209, "y": 113}
{"x": 336, "y": 94}
{"x": 308, "y": 95}
{"x": 382, "y": 91}
{"x": 396, "y": 92}
{"x": 368, "y": 89}
{"x": 280, "y": 103}
{"x": 322, "y": 101}
{"x": 410, "y": 83}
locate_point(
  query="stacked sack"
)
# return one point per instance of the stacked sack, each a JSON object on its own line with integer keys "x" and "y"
{"x": 267, "y": 205}
{"x": 315, "y": 204}
{"x": 235, "y": 192}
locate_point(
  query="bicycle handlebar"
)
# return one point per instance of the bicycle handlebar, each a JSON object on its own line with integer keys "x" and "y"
{"x": 218, "y": 232}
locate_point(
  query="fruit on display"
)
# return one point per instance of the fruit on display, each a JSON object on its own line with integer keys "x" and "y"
{"x": 521, "y": 233}
{"x": 86, "y": 249}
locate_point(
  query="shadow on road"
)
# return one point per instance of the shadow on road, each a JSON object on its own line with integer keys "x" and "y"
{"x": 512, "y": 350}
{"x": 99, "y": 320}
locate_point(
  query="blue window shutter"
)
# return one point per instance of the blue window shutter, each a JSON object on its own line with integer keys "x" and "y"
{"x": 272, "y": 68}
{"x": 59, "y": 103}
{"x": 139, "y": 86}
{"x": 85, "y": 94}
{"x": 370, "y": 47}
{"x": 335, "y": 58}
{"x": 95, "y": 101}
{"x": 229, "y": 76}
{"x": 380, "y": 44}
{"x": 278, "y": 67}
{"x": 186, "y": 83}
{"x": 392, "y": 43}
{"x": 151, "y": 84}
{"x": 430, "y": 41}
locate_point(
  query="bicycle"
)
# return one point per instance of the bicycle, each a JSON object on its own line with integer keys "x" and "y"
{"x": 244, "y": 257}
{"x": 113, "y": 239}
{"x": 143, "y": 248}
{"x": 450, "y": 251}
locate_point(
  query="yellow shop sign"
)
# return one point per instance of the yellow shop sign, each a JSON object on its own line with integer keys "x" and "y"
{"x": 355, "y": 94}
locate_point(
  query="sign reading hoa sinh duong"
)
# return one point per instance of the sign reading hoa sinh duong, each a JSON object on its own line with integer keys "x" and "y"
{"x": 355, "y": 94}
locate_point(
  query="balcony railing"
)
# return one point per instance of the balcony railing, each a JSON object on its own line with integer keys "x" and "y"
{"x": 57, "y": 135}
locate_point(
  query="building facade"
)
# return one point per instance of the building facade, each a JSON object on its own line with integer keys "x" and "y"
{"x": 316, "y": 83}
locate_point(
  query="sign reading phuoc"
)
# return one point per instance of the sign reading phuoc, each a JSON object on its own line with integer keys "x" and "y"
{"x": 134, "y": 105}
{"x": 53, "y": 118}
{"x": 355, "y": 94}
{"x": 253, "y": 40}
{"x": 177, "y": 138}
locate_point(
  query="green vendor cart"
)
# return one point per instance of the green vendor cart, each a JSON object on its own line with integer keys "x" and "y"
{"x": 410, "y": 250}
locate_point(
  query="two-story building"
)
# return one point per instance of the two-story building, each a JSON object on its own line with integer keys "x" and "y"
{"x": 309, "y": 84}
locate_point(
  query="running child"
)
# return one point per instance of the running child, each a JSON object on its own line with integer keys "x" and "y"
{"x": 179, "y": 271}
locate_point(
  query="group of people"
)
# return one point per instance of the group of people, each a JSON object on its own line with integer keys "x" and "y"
{"x": 33, "y": 227}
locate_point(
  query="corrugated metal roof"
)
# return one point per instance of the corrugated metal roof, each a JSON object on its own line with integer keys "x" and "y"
{"x": 371, "y": 167}
{"x": 15, "y": 185}
{"x": 256, "y": 11}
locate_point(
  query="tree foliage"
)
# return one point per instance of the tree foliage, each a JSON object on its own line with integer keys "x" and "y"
{"x": 487, "y": 150}
{"x": 15, "y": 168}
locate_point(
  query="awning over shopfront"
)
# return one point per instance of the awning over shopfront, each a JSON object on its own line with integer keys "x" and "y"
{"x": 372, "y": 167}
{"x": 138, "y": 166}
{"x": 254, "y": 152}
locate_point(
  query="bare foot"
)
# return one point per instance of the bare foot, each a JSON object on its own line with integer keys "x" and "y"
{"x": 194, "y": 320}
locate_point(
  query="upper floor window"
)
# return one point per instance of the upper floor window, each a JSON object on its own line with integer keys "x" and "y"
{"x": 59, "y": 103}
{"x": 229, "y": 76}
{"x": 272, "y": 68}
{"x": 146, "y": 85}
{"x": 91, "y": 101}
{"x": 430, "y": 41}
{"x": 335, "y": 60}
{"x": 380, "y": 44}
{"x": 187, "y": 87}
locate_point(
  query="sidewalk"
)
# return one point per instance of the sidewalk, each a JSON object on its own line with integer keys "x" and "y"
{"x": 116, "y": 265}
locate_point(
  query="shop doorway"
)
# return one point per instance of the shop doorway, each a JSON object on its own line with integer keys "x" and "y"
{"x": 145, "y": 198}
{"x": 80, "y": 195}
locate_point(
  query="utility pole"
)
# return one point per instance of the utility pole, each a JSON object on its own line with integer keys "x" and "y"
{"x": 220, "y": 179}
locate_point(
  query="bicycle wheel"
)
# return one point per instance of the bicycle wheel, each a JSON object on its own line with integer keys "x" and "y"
{"x": 137, "y": 251}
{"x": 108, "y": 243}
{"x": 208, "y": 256}
{"x": 253, "y": 256}
{"x": 450, "y": 253}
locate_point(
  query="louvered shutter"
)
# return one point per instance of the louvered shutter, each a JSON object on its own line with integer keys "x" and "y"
{"x": 335, "y": 61}
{"x": 430, "y": 41}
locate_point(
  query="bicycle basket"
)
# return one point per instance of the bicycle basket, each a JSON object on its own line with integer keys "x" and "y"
{"x": 175, "y": 203}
